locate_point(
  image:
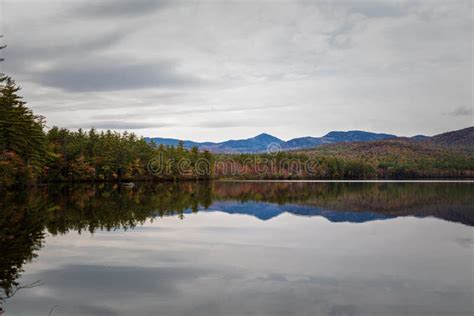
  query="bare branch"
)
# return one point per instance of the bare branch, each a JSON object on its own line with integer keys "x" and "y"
{"x": 52, "y": 309}
{"x": 28, "y": 286}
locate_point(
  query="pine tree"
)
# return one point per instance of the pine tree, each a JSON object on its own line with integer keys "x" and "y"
{"x": 21, "y": 132}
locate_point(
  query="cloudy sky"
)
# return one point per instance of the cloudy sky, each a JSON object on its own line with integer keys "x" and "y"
{"x": 218, "y": 70}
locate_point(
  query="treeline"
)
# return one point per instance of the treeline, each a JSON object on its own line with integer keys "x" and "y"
{"x": 370, "y": 160}
{"x": 291, "y": 165}
{"x": 29, "y": 154}
{"x": 112, "y": 156}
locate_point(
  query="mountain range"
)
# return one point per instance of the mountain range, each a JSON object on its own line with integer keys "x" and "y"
{"x": 261, "y": 143}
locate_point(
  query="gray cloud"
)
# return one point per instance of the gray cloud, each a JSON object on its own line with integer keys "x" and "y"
{"x": 113, "y": 74}
{"x": 120, "y": 8}
{"x": 259, "y": 121}
{"x": 463, "y": 111}
{"x": 22, "y": 53}
{"x": 123, "y": 125}
{"x": 122, "y": 116}
{"x": 377, "y": 9}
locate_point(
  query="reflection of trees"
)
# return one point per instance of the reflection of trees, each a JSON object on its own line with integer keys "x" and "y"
{"x": 24, "y": 216}
{"x": 88, "y": 208}
{"x": 22, "y": 220}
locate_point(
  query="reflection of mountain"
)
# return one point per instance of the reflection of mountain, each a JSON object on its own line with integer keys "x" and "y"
{"x": 448, "y": 201}
{"x": 266, "y": 211}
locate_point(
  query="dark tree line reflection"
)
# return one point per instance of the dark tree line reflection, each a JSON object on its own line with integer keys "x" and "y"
{"x": 22, "y": 222}
{"x": 26, "y": 217}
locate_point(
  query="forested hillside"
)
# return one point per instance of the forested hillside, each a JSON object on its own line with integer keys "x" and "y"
{"x": 462, "y": 139}
{"x": 403, "y": 158}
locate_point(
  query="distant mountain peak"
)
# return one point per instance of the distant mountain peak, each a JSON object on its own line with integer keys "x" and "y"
{"x": 355, "y": 136}
{"x": 263, "y": 135}
{"x": 267, "y": 137}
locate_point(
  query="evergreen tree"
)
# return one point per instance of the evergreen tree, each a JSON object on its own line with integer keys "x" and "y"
{"x": 21, "y": 132}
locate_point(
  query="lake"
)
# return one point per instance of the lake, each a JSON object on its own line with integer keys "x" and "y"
{"x": 239, "y": 248}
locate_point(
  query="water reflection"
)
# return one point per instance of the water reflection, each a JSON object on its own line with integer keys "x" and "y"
{"x": 25, "y": 219}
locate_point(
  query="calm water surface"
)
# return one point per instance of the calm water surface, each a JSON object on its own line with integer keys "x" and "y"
{"x": 228, "y": 248}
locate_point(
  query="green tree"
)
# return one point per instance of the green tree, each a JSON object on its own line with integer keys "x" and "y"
{"x": 21, "y": 131}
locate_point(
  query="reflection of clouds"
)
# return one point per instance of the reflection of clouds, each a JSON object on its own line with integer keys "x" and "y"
{"x": 41, "y": 306}
{"x": 118, "y": 282}
{"x": 220, "y": 264}
{"x": 467, "y": 242}
{"x": 343, "y": 310}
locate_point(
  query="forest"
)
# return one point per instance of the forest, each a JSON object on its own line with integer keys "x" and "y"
{"x": 29, "y": 154}
{"x": 327, "y": 164}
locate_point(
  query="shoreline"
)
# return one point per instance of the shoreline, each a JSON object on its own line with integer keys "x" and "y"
{"x": 150, "y": 181}
{"x": 359, "y": 181}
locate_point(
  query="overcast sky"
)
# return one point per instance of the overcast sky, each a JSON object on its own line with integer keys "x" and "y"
{"x": 218, "y": 70}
